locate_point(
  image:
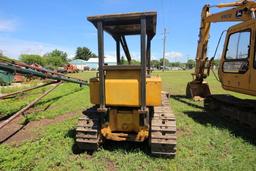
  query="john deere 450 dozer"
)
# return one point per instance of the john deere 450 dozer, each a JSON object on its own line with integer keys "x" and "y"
{"x": 128, "y": 102}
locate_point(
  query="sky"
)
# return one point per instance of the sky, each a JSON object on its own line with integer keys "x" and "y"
{"x": 38, "y": 27}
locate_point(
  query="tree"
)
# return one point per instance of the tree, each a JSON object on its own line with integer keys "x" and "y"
{"x": 190, "y": 64}
{"x": 32, "y": 59}
{"x": 56, "y": 58}
{"x": 167, "y": 63}
{"x": 123, "y": 61}
{"x": 175, "y": 64}
{"x": 155, "y": 64}
{"x": 84, "y": 53}
{"x": 216, "y": 62}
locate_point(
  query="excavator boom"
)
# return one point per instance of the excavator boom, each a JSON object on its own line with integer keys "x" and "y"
{"x": 237, "y": 11}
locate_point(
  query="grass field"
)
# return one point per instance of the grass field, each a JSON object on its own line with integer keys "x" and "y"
{"x": 204, "y": 142}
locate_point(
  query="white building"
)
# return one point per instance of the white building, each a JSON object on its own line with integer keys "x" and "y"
{"x": 79, "y": 63}
{"x": 92, "y": 63}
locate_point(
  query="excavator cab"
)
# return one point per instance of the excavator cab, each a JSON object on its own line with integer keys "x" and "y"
{"x": 237, "y": 66}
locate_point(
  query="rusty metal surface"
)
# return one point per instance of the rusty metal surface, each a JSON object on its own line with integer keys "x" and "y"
{"x": 14, "y": 66}
{"x": 26, "y": 90}
{"x": 163, "y": 130}
{"x": 126, "y": 24}
{"x": 197, "y": 90}
{"x": 28, "y": 106}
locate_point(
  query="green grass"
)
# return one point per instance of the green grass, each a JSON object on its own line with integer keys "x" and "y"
{"x": 205, "y": 142}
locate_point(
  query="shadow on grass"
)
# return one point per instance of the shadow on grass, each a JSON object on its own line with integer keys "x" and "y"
{"x": 125, "y": 147}
{"x": 206, "y": 118}
{"x": 50, "y": 101}
{"x": 184, "y": 99}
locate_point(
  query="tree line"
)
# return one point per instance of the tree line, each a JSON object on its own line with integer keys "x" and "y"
{"x": 190, "y": 64}
{"x": 56, "y": 58}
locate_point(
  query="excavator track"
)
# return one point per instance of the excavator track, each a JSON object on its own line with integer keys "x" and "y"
{"x": 88, "y": 130}
{"x": 163, "y": 130}
{"x": 242, "y": 111}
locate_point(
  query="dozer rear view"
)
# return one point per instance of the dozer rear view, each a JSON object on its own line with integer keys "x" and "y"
{"x": 128, "y": 102}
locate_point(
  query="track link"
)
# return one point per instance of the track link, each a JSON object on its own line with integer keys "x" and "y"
{"x": 233, "y": 109}
{"x": 163, "y": 130}
{"x": 87, "y": 131}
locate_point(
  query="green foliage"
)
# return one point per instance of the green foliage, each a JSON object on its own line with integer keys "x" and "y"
{"x": 32, "y": 59}
{"x": 204, "y": 141}
{"x": 155, "y": 64}
{"x": 52, "y": 60}
{"x": 190, "y": 64}
{"x": 216, "y": 62}
{"x": 164, "y": 61}
{"x": 56, "y": 58}
{"x": 125, "y": 62}
{"x": 84, "y": 53}
{"x": 175, "y": 64}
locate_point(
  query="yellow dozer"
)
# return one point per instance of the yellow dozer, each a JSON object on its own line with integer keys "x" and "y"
{"x": 129, "y": 104}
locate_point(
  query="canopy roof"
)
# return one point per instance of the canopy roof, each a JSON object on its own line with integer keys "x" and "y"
{"x": 126, "y": 24}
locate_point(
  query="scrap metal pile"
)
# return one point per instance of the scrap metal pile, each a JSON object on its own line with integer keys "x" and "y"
{"x": 12, "y": 67}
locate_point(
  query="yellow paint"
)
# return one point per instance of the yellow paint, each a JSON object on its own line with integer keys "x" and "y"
{"x": 122, "y": 92}
{"x": 125, "y": 121}
{"x": 116, "y": 136}
{"x": 123, "y": 74}
{"x": 122, "y": 88}
{"x": 94, "y": 90}
{"x": 153, "y": 91}
{"x": 240, "y": 82}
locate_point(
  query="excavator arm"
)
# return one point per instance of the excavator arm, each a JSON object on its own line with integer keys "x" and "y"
{"x": 237, "y": 11}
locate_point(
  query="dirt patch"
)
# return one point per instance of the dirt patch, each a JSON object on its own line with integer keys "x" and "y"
{"x": 14, "y": 133}
{"x": 183, "y": 132}
{"x": 110, "y": 165}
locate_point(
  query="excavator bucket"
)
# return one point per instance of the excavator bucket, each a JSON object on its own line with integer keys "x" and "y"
{"x": 197, "y": 90}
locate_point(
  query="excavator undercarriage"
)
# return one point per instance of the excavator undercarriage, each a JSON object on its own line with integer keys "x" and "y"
{"x": 241, "y": 111}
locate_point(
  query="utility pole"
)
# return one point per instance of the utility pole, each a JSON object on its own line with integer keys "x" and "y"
{"x": 164, "y": 42}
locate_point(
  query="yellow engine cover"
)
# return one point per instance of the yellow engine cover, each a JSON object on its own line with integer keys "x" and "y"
{"x": 125, "y": 91}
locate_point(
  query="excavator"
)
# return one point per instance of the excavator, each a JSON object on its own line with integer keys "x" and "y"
{"x": 128, "y": 104}
{"x": 237, "y": 69}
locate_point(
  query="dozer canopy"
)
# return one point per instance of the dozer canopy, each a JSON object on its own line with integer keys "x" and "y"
{"x": 126, "y": 24}
{"x": 119, "y": 26}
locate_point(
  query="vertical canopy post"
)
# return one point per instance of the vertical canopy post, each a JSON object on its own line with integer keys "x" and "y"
{"x": 101, "y": 63}
{"x": 143, "y": 64}
{"x": 148, "y": 54}
{"x": 118, "y": 59}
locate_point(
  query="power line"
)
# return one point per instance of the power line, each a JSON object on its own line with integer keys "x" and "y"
{"x": 164, "y": 45}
